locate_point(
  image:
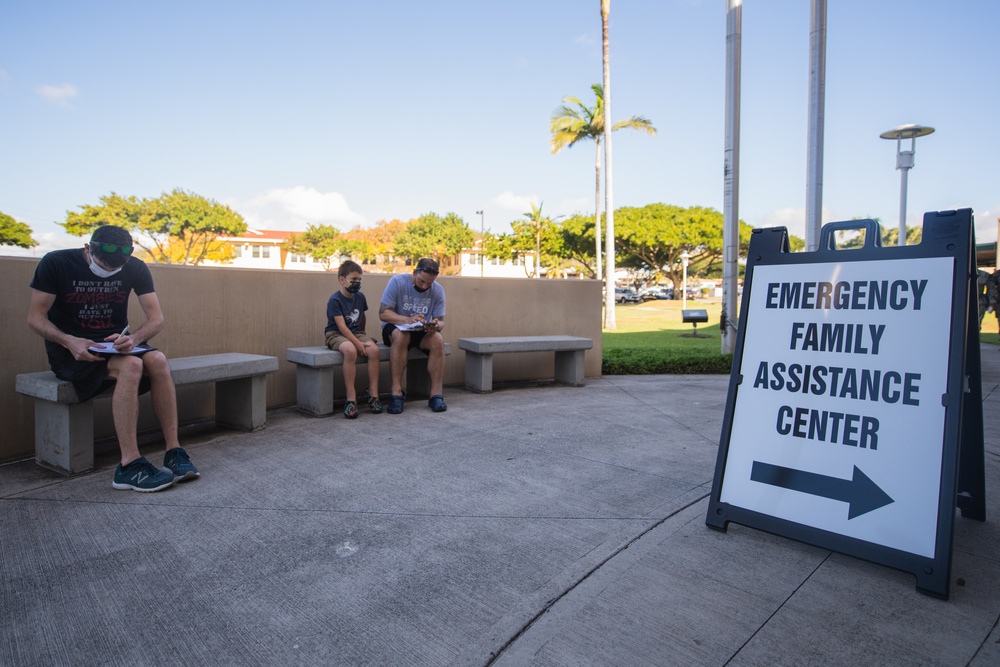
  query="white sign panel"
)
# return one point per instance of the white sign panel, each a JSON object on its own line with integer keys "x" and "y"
{"x": 839, "y": 422}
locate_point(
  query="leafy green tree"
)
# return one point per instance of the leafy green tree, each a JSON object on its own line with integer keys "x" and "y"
{"x": 381, "y": 242}
{"x": 534, "y": 227}
{"x": 175, "y": 228}
{"x": 654, "y": 237}
{"x": 434, "y": 236}
{"x": 914, "y": 235}
{"x": 890, "y": 236}
{"x": 323, "y": 243}
{"x": 15, "y": 233}
{"x": 574, "y": 122}
{"x": 576, "y": 243}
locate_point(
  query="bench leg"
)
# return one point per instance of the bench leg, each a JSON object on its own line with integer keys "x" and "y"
{"x": 417, "y": 380}
{"x": 314, "y": 390}
{"x": 569, "y": 368}
{"x": 64, "y": 436}
{"x": 479, "y": 372}
{"x": 242, "y": 403}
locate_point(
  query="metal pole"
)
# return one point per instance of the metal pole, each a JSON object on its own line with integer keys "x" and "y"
{"x": 903, "y": 171}
{"x": 817, "y": 103}
{"x": 482, "y": 246}
{"x": 904, "y": 162}
{"x": 684, "y": 298}
{"x": 731, "y": 189}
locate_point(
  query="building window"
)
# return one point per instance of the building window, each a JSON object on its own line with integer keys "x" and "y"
{"x": 266, "y": 252}
{"x": 256, "y": 251}
{"x": 238, "y": 251}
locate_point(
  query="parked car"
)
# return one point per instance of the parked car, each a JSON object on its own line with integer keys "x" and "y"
{"x": 626, "y": 296}
{"x": 657, "y": 293}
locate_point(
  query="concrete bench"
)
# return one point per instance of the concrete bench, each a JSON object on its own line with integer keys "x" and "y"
{"x": 314, "y": 375}
{"x": 479, "y": 357}
{"x": 64, "y": 427}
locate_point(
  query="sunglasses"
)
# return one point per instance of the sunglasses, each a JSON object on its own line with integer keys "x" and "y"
{"x": 112, "y": 248}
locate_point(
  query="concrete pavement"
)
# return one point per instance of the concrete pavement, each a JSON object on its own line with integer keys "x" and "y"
{"x": 538, "y": 525}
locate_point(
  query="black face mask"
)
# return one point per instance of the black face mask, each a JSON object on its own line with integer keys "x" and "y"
{"x": 354, "y": 288}
{"x": 421, "y": 289}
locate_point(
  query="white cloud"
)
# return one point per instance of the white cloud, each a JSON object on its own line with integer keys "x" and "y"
{"x": 509, "y": 201}
{"x": 581, "y": 205}
{"x": 987, "y": 226}
{"x": 60, "y": 95}
{"x": 792, "y": 218}
{"x": 294, "y": 209}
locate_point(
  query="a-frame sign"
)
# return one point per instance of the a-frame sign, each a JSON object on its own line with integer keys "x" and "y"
{"x": 854, "y": 418}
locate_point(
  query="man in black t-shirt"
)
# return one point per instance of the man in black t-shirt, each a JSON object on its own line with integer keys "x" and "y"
{"x": 79, "y": 300}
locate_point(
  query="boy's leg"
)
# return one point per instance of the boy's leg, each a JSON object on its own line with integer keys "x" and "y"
{"x": 374, "y": 367}
{"x": 350, "y": 368}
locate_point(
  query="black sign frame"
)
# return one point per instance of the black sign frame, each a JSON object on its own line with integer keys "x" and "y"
{"x": 962, "y": 486}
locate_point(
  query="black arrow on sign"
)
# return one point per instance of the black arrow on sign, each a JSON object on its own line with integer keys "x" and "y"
{"x": 862, "y": 494}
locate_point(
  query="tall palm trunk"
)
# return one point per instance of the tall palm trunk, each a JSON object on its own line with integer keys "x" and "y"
{"x": 597, "y": 210}
{"x": 609, "y": 208}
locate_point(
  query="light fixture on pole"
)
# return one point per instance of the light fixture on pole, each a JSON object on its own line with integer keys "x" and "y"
{"x": 482, "y": 247}
{"x": 685, "y": 258}
{"x": 904, "y": 162}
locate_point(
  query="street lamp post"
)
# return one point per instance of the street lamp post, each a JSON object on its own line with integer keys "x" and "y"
{"x": 904, "y": 162}
{"x": 685, "y": 258}
{"x": 482, "y": 248}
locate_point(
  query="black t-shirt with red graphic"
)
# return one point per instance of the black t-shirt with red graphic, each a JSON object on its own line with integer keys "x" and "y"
{"x": 87, "y": 305}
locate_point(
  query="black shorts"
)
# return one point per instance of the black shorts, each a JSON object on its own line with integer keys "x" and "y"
{"x": 89, "y": 378}
{"x": 415, "y": 337}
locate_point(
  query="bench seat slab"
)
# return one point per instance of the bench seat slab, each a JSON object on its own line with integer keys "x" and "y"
{"x": 569, "y": 362}
{"x": 64, "y": 427}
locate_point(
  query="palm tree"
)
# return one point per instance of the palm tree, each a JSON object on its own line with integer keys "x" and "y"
{"x": 537, "y": 224}
{"x": 572, "y": 124}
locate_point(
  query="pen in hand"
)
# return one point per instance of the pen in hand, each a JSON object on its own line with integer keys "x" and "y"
{"x": 120, "y": 336}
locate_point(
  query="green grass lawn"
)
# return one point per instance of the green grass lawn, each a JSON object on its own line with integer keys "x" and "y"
{"x": 649, "y": 340}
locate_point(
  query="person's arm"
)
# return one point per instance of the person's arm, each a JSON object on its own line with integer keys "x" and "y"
{"x": 437, "y": 320}
{"x": 387, "y": 314}
{"x": 153, "y": 325}
{"x": 435, "y": 324}
{"x": 38, "y": 320}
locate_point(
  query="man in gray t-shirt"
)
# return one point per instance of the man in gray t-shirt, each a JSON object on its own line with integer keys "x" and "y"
{"x": 412, "y": 312}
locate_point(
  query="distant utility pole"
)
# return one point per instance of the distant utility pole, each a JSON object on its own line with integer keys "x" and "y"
{"x": 731, "y": 187}
{"x": 817, "y": 104}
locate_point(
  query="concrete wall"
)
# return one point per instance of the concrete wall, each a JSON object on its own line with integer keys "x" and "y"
{"x": 211, "y": 310}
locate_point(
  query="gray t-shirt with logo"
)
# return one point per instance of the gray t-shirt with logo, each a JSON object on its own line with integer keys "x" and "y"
{"x": 403, "y": 298}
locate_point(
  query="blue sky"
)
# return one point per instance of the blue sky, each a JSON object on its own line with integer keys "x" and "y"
{"x": 346, "y": 112}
